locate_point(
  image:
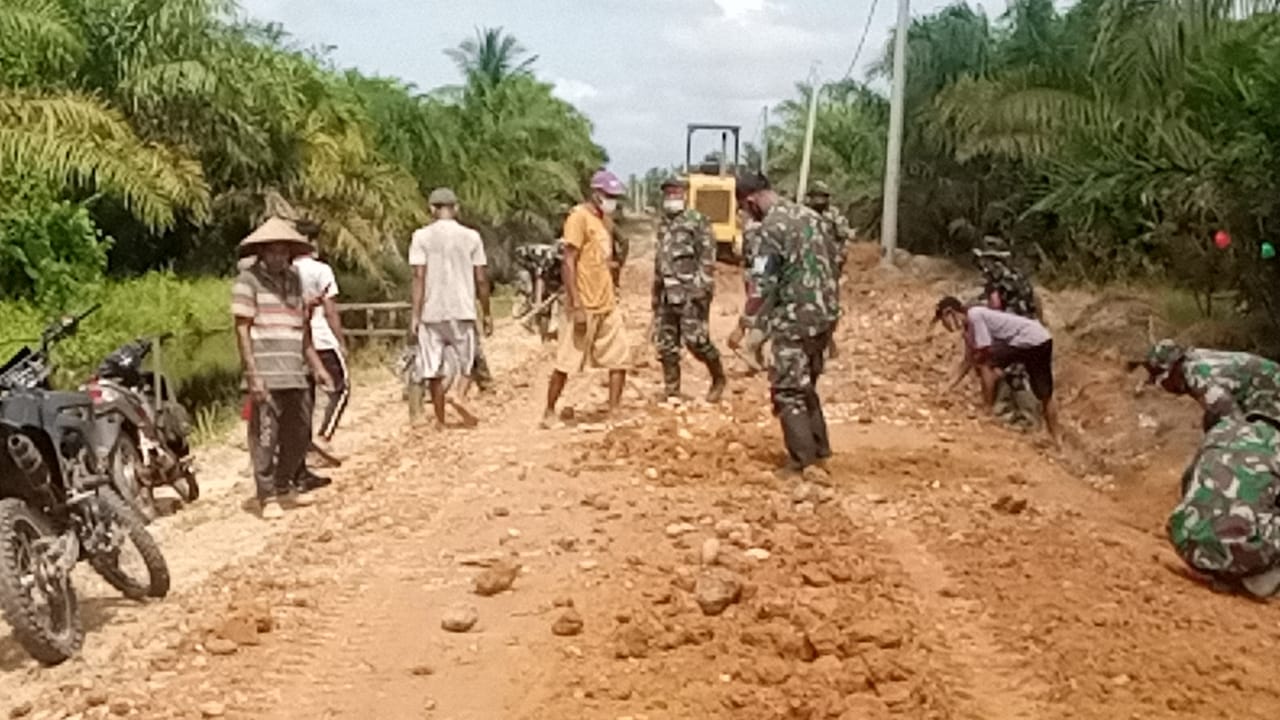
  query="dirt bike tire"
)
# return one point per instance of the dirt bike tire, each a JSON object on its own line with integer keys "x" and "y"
{"x": 157, "y": 584}
{"x": 47, "y": 646}
{"x": 135, "y": 492}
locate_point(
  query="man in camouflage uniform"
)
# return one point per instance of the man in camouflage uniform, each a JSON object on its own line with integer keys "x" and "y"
{"x": 753, "y": 347}
{"x": 839, "y": 235}
{"x": 1226, "y": 384}
{"x": 1227, "y": 525}
{"x": 1006, "y": 288}
{"x": 539, "y": 279}
{"x": 683, "y": 283}
{"x": 792, "y": 298}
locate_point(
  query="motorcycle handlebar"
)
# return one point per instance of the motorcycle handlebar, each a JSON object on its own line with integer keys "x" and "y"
{"x": 68, "y": 325}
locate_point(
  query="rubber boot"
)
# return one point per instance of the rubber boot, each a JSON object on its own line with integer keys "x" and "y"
{"x": 716, "y": 367}
{"x": 671, "y": 377}
{"x": 818, "y": 422}
{"x": 798, "y": 435}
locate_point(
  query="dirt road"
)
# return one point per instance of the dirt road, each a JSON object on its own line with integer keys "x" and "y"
{"x": 953, "y": 570}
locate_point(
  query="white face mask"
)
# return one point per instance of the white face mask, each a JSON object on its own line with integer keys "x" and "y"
{"x": 608, "y": 205}
{"x": 673, "y": 206}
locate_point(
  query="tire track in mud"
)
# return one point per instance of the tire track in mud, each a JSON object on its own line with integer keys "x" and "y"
{"x": 992, "y": 685}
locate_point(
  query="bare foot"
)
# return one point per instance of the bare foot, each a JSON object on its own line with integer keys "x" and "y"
{"x": 468, "y": 419}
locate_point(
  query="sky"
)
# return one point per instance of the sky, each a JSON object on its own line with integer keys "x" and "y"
{"x": 640, "y": 69}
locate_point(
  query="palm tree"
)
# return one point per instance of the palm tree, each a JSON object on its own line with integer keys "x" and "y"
{"x": 491, "y": 57}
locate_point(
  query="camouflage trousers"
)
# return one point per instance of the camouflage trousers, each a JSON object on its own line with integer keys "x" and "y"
{"x": 685, "y": 323}
{"x": 1014, "y": 403}
{"x": 1227, "y": 524}
{"x": 797, "y": 364}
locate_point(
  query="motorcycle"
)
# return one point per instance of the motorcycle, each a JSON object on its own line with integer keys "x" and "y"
{"x": 142, "y": 430}
{"x": 58, "y": 507}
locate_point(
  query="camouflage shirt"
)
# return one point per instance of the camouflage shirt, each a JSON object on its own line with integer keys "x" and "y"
{"x": 1227, "y": 523}
{"x": 750, "y": 242}
{"x": 684, "y": 259}
{"x": 1231, "y": 384}
{"x": 839, "y": 233}
{"x": 792, "y": 288}
{"x": 1013, "y": 287}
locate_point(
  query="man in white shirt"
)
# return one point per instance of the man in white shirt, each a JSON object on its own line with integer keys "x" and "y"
{"x": 995, "y": 339}
{"x": 320, "y": 290}
{"x": 449, "y": 274}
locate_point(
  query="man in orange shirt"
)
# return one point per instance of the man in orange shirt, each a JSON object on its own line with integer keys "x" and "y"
{"x": 594, "y": 334}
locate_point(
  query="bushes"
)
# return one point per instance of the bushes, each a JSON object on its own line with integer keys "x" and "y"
{"x": 196, "y": 311}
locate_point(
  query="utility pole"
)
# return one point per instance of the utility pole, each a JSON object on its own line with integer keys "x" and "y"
{"x": 764, "y": 144}
{"x": 893, "y": 154}
{"x": 814, "y": 89}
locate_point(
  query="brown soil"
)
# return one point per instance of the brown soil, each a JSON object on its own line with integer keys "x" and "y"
{"x": 952, "y": 569}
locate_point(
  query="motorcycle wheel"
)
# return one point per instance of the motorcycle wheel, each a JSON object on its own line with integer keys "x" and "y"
{"x": 46, "y": 624}
{"x": 126, "y": 475}
{"x": 127, "y": 528}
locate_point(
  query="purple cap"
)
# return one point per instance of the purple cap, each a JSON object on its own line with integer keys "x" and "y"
{"x": 607, "y": 183}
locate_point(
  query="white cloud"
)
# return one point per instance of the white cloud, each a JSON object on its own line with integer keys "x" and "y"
{"x": 745, "y": 10}
{"x": 574, "y": 91}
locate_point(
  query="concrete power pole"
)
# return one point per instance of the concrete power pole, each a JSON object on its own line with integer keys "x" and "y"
{"x": 814, "y": 89}
{"x": 893, "y": 154}
{"x": 764, "y": 144}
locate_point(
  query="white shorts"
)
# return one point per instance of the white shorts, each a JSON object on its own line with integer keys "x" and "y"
{"x": 446, "y": 349}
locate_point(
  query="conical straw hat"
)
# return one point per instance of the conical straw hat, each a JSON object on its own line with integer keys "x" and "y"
{"x": 272, "y": 231}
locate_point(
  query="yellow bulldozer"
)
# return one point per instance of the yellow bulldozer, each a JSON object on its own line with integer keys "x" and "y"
{"x": 711, "y": 188}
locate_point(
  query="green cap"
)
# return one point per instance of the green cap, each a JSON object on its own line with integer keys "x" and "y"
{"x": 819, "y": 188}
{"x": 1162, "y": 357}
{"x": 442, "y": 196}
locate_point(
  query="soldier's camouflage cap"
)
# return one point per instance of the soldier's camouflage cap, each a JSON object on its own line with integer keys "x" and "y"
{"x": 674, "y": 181}
{"x": 992, "y": 247}
{"x": 1162, "y": 357}
{"x": 819, "y": 188}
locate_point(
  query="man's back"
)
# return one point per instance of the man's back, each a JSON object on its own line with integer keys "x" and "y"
{"x": 451, "y": 253}
{"x": 988, "y": 328}
{"x": 804, "y": 299}
{"x": 1253, "y": 381}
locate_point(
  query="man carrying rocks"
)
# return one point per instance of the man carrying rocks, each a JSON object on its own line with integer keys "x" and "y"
{"x": 792, "y": 299}
{"x": 995, "y": 340}
{"x": 683, "y": 284}
{"x": 1225, "y": 384}
{"x": 1006, "y": 288}
{"x": 274, "y": 339}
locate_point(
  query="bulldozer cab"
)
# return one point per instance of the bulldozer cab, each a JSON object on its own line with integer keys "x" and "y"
{"x": 711, "y": 188}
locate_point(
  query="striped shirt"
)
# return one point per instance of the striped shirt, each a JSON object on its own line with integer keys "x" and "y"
{"x": 276, "y": 306}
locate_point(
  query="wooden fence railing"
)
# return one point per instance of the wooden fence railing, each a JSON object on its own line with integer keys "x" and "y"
{"x": 375, "y": 320}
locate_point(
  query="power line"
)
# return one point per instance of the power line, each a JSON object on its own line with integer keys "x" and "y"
{"x": 861, "y": 42}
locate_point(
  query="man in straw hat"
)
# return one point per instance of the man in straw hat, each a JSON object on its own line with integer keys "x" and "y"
{"x": 274, "y": 339}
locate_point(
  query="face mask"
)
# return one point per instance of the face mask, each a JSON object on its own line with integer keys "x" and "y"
{"x": 608, "y": 205}
{"x": 673, "y": 206}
